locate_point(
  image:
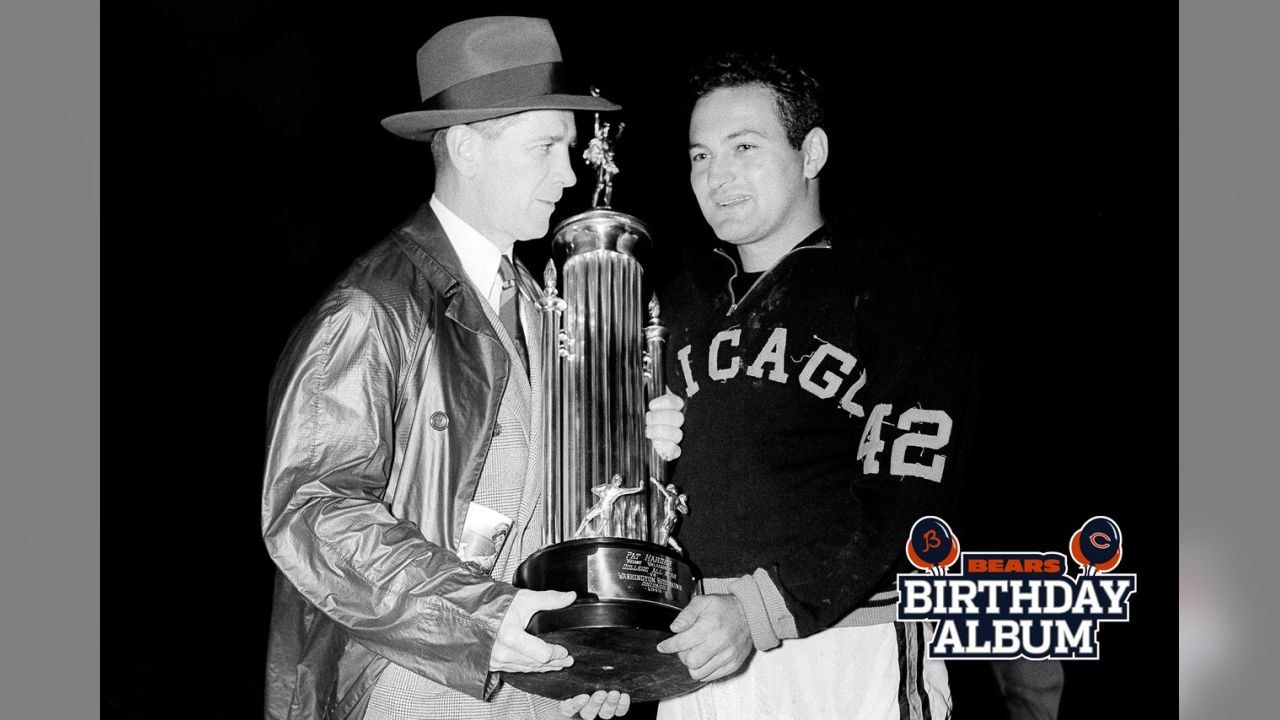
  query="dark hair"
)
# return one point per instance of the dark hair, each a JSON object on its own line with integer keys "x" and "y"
{"x": 796, "y": 94}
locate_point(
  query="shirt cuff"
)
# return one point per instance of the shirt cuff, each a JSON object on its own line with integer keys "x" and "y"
{"x": 767, "y": 616}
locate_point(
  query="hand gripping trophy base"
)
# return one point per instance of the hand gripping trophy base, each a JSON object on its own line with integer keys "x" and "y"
{"x": 629, "y": 592}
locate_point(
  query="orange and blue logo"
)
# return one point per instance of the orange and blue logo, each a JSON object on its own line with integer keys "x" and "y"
{"x": 1096, "y": 545}
{"x": 932, "y": 546}
{"x": 1011, "y": 604}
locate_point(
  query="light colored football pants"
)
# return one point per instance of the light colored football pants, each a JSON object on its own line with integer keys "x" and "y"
{"x": 876, "y": 672}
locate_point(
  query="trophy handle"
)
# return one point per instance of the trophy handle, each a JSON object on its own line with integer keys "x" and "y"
{"x": 655, "y": 384}
{"x": 555, "y": 510}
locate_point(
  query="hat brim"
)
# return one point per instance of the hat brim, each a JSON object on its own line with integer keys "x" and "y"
{"x": 420, "y": 125}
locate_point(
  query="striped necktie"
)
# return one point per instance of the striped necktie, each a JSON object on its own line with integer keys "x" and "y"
{"x": 509, "y": 309}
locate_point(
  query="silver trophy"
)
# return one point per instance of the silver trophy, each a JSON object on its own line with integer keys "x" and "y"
{"x": 609, "y": 512}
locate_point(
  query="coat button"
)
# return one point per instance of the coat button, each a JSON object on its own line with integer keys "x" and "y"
{"x": 439, "y": 420}
{"x": 497, "y": 429}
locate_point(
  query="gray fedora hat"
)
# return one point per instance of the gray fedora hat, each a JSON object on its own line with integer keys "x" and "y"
{"x": 485, "y": 68}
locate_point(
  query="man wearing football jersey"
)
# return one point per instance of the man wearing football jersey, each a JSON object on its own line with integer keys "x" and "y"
{"x": 824, "y": 373}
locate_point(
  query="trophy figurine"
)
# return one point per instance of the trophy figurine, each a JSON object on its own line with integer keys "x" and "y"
{"x": 609, "y": 513}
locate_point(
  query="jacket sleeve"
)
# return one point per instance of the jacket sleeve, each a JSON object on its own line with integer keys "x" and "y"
{"x": 331, "y": 443}
{"x": 915, "y": 349}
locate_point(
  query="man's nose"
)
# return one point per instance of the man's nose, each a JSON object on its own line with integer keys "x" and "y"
{"x": 719, "y": 171}
{"x": 564, "y": 169}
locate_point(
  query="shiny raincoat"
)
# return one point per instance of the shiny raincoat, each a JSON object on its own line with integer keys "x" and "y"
{"x": 381, "y": 413}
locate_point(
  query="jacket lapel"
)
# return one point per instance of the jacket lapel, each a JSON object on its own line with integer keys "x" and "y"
{"x": 481, "y": 360}
{"x": 427, "y": 246}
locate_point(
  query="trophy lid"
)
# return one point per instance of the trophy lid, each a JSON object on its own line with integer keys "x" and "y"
{"x": 601, "y": 229}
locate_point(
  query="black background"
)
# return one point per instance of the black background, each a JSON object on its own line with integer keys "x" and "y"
{"x": 1038, "y": 141}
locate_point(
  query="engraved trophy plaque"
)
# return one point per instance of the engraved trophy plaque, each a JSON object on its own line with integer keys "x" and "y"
{"x": 609, "y": 512}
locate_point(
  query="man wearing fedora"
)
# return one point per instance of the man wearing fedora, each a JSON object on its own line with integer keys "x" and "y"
{"x": 404, "y": 413}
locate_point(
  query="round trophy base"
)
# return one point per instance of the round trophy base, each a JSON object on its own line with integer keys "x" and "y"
{"x": 614, "y": 626}
{"x": 617, "y": 656}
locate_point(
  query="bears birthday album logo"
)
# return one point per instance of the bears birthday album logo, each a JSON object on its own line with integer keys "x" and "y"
{"x": 1004, "y": 605}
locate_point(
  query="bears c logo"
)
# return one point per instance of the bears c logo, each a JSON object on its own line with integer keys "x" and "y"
{"x": 1096, "y": 546}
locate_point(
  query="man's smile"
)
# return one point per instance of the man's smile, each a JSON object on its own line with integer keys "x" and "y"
{"x": 730, "y": 201}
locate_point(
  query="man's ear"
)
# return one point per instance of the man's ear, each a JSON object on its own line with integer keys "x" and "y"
{"x": 814, "y": 149}
{"x": 464, "y": 145}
